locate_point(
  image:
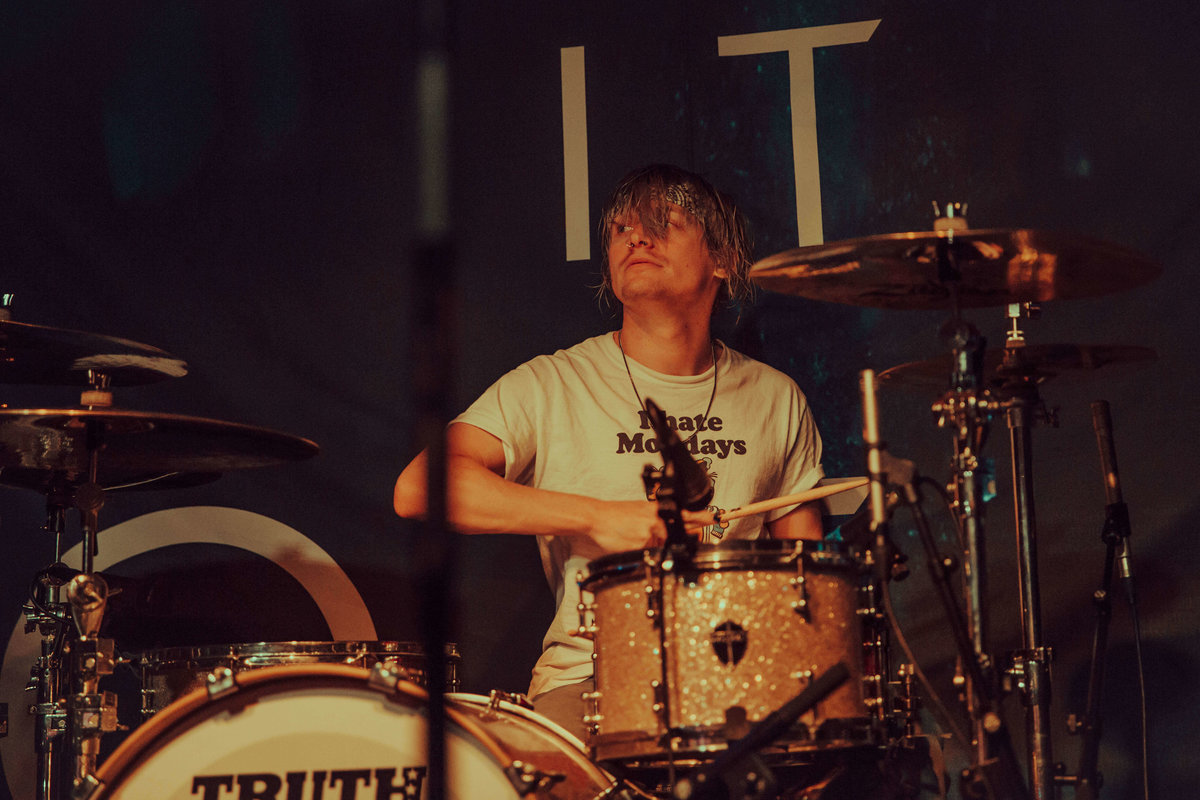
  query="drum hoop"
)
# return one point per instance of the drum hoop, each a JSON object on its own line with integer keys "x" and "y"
{"x": 524, "y": 713}
{"x": 197, "y": 706}
{"x": 738, "y": 554}
{"x": 297, "y": 648}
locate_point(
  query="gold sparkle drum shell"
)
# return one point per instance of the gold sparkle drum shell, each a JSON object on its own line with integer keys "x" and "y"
{"x": 746, "y": 626}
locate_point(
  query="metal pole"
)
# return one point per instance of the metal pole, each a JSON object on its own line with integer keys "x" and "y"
{"x": 1034, "y": 661}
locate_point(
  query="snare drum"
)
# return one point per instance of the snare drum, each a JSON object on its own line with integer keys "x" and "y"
{"x": 746, "y": 626}
{"x": 326, "y": 730}
{"x": 169, "y": 673}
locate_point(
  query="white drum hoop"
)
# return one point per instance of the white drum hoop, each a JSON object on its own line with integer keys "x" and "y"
{"x": 201, "y": 744}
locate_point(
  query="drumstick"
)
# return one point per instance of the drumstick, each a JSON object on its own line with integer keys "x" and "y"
{"x": 763, "y": 506}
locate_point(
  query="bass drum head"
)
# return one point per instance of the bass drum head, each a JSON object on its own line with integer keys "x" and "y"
{"x": 280, "y": 732}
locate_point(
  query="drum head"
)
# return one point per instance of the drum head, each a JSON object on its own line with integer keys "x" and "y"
{"x": 283, "y": 731}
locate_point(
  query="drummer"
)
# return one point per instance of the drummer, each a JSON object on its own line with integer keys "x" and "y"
{"x": 556, "y": 447}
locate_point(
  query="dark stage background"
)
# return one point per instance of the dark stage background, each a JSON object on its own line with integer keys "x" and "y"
{"x": 236, "y": 184}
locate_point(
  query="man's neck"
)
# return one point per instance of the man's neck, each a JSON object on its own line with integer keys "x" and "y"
{"x": 671, "y": 346}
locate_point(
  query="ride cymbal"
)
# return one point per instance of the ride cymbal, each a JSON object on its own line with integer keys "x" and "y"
{"x": 989, "y": 267}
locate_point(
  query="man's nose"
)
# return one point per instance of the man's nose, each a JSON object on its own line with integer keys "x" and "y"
{"x": 636, "y": 236}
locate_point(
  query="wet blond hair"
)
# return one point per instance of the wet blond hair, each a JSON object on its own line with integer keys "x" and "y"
{"x": 647, "y": 195}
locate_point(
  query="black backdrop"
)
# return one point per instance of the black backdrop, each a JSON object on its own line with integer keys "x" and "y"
{"x": 235, "y": 183}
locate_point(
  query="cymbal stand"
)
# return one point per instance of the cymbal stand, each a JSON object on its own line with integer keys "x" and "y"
{"x": 70, "y": 706}
{"x": 92, "y": 712}
{"x": 1031, "y": 665}
{"x": 45, "y": 613}
{"x": 966, "y": 409}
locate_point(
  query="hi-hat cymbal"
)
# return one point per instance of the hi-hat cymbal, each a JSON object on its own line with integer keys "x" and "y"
{"x": 997, "y": 267}
{"x": 1031, "y": 363}
{"x": 36, "y": 354}
{"x": 46, "y": 449}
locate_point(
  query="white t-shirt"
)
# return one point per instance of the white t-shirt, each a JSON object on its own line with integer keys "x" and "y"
{"x": 570, "y": 422}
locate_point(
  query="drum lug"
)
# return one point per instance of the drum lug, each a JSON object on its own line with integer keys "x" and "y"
{"x": 527, "y": 779}
{"x": 383, "y": 677}
{"x": 804, "y": 675}
{"x": 220, "y": 682}
{"x": 586, "y": 630}
{"x": 498, "y": 696}
{"x": 800, "y": 604}
{"x": 660, "y": 703}
{"x": 592, "y": 716}
{"x": 653, "y": 603}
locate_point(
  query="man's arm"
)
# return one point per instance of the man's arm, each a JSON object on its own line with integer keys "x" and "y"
{"x": 482, "y": 501}
{"x": 803, "y": 522}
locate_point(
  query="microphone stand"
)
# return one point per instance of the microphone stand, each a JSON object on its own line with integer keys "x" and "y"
{"x": 673, "y": 491}
{"x": 1115, "y": 535}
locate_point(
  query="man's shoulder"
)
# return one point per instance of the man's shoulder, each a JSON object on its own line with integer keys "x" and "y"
{"x": 592, "y": 349}
{"x": 760, "y": 370}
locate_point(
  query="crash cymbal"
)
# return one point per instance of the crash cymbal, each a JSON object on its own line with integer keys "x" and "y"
{"x": 36, "y": 354}
{"x": 997, "y": 267}
{"x": 46, "y": 449}
{"x": 1032, "y": 362}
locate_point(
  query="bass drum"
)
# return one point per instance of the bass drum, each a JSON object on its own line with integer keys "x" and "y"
{"x": 326, "y": 730}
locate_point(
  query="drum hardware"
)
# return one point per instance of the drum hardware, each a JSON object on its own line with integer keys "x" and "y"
{"x": 92, "y": 712}
{"x": 800, "y": 604}
{"x": 73, "y": 456}
{"x": 496, "y": 697}
{"x": 962, "y": 410}
{"x": 591, "y": 715}
{"x": 528, "y": 779}
{"x": 167, "y": 674}
{"x": 955, "y": 267}
{"x": 702, "y": 783}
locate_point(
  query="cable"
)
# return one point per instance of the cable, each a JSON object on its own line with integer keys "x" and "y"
{"x": 1141, "y": 670}
{"x": 933, "y": 696}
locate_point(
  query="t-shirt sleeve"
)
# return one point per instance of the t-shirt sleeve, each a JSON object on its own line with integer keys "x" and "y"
{"x": 509, "y": 411}
{"x": 802, "y": 461}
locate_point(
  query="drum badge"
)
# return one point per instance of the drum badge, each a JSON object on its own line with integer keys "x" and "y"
{"x": 729, "y": 642}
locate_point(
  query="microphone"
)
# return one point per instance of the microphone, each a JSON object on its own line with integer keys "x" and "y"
{"x": 874, "y": 450}
{"x": 693, "y": 487}
{"x": 1117, "y": 522}
{"x": 1102, "y": 423}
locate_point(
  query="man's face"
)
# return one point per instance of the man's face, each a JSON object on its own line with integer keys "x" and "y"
{"x": 675, "y": 265}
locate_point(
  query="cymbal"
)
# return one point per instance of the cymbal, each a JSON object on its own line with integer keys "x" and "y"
{"x": 998, "y": 267}
{"x": 46, "y": 448}
{"x": 37, "y": 354}
{"x": 1031, "y": 362}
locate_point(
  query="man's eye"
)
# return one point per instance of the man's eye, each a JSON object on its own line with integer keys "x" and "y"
{"x": 624, "y": 228}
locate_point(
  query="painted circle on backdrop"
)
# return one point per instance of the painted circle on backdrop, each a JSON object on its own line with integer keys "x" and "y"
{"x": 325, "y": 581}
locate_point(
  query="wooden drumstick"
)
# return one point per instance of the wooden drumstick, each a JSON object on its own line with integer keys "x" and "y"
{"x": 763, "y": 506}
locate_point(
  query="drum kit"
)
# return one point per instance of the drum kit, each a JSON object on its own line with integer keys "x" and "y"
{"x": 745, "y": 670}
{"x": 699, "y": 648}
